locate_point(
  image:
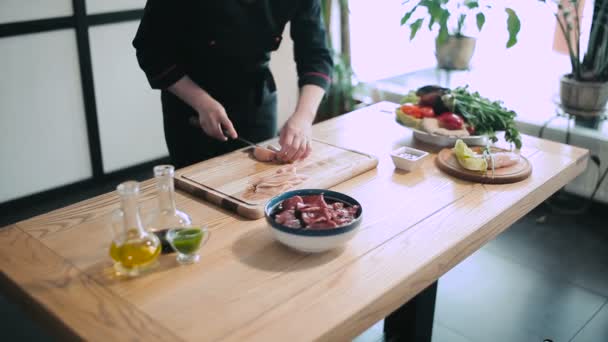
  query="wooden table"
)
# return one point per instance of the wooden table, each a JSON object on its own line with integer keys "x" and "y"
{"x": 247, "y": 287}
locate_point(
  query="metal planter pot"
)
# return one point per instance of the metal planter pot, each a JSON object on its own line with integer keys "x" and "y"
{"x": 583, "y": 98}
{"x": 455, "y": 53}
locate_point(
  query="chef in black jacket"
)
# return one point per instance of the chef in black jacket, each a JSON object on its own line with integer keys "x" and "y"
{"x": 210, "y": 59}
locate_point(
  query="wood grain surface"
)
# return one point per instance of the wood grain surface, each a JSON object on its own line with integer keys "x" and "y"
{"x": 71, "y": 296}
{"x": 247, "y": 287}
{"x": 447, "y": 162}
{"x": 227, "y": 180}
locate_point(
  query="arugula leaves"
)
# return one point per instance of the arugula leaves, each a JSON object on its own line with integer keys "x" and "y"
{"x": 486, "y": 116}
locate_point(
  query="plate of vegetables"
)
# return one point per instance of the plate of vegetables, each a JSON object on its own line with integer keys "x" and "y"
{"x": 441, "y": 116}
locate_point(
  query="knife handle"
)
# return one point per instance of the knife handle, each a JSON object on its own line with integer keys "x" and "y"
{"x": 193, "y": 121}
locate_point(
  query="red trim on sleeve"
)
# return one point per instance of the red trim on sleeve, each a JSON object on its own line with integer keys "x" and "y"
{"x": 320, "y": 74}
{"x": 164, "y": 73}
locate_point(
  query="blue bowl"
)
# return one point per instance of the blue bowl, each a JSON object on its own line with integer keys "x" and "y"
{"x": 313, "y": 240}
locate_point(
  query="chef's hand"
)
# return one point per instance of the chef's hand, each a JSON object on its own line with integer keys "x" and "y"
{"x": 295, "y": 137}
{"x": 212, "y": 116}
{"x": 214, "y": 121}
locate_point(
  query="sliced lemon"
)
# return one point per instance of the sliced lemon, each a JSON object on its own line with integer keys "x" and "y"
{"x": 469, "y": 159}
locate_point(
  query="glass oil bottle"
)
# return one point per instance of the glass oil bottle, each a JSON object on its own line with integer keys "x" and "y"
{"x": 133, "y": 249}
{"x": 166, "y": 216}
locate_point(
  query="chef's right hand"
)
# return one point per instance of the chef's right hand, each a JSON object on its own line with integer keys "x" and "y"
{"x": 214, "y": 121}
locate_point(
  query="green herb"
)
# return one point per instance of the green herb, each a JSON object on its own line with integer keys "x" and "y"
{"x": 484, "y": 115}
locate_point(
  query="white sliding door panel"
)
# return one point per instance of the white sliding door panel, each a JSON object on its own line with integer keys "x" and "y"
{"x": 129, "y": 112}
{"x": 21, "y": 10}
{"x": 43, "y": 140}
{"x": 101, "y": 6}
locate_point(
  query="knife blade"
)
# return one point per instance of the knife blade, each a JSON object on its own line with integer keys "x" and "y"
{"x": 193, "y": 121}
{"x": 245, "y": 141}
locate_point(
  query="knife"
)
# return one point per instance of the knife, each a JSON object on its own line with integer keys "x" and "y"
{"x": 245, "y": 141}
{"x": 193, "y": 121}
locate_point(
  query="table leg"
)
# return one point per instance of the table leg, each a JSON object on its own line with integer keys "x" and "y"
{"x": 413, "y": 321}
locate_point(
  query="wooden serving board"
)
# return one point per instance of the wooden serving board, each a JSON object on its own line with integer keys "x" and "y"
{"x": 226, "y": 180}
{"x": 447, "y": 162}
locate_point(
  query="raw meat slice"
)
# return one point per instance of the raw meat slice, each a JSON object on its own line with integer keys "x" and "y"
{"x": 263, "y": 154}
{"x": 285, "y": 216}
{"x": 314, "y": 213}
{"x": 315, "y": 200}
{"x": 292, "y": 203}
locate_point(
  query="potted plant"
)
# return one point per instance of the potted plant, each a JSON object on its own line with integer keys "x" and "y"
{"x": 584, "y": 91}
{"x": 339, "y": 99}
{"x": 453, "y": 48}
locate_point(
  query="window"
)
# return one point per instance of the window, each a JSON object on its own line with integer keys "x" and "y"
{"x": 381, "y": 48}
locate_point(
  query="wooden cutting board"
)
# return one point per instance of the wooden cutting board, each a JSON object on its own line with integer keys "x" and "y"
{"x": 226, "y": 180}
{"x": 447, "y": 162}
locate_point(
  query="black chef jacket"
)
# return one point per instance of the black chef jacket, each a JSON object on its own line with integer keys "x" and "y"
{"x": 224, "y": 46}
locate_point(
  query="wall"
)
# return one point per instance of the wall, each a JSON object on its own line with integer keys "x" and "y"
{"x": 74, "y": 105}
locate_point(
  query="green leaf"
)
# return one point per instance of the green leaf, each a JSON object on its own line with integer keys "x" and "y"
{"x": 481, "y": 19}
{"x": 471, "y": 4}
{"x": 443, "y": 35}
{"x": 513, "y": 26}
{"x": 435, "y": 12}
{"x": 443, "y": 27}
{"x": 414, "y": 27}
{"x": 431, "y": 22}
{"x": 407, "y": 16}
{"x": 460, "y": 24}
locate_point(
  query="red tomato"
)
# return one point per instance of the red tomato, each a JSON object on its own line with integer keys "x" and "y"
{"x": 471, "y": 130}
{"x": 427, "y": 112}
{"x": 412, "y": 110}
{"x": 450, "y": 121}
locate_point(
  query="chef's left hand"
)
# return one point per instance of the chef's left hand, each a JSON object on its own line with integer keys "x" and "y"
{"x": 295, "y": 137}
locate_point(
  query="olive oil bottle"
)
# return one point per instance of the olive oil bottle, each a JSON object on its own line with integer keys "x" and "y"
{"x": 133, "y": 248}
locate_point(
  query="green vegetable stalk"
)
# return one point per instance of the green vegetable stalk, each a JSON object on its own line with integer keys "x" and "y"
{"x": 486, "y": 116}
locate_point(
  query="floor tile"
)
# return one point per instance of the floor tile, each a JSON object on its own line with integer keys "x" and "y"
{"x": 573, "y": 248}
{"x": 15, "y": 325}
{"x": 442, "y": 333}
{"x": 488, "y": 298}
{"x": 373, "y": 334}
{"x": 597, "y": 329}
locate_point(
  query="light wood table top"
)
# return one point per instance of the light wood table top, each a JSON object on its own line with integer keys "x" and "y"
{"x": 247, "y": 287}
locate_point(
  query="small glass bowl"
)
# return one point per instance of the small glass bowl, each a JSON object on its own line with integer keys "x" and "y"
{"x": 187, "y": 241}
